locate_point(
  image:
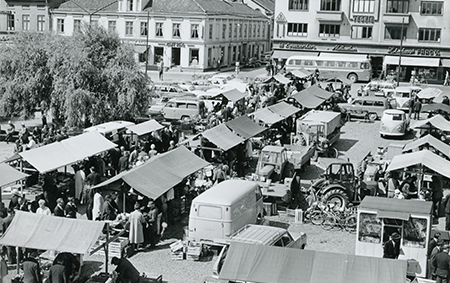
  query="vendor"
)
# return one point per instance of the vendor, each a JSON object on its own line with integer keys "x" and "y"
{"x": 126, "y": 272}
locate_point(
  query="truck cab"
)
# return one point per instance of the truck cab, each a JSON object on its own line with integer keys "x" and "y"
{"x": 271, "y": 160}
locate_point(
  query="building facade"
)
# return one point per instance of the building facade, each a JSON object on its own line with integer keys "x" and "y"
{"x": 372, "y": 27}
{"x": 186, "y": 34}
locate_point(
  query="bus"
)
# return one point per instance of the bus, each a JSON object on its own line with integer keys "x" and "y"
{"x": 354, "y": 67}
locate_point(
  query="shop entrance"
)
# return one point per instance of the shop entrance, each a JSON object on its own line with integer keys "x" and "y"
{"x": 176, "y": 54}
{"x": 377, "y": 66}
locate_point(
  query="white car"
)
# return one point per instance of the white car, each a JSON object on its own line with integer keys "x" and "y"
{"x": 394, "y": 122}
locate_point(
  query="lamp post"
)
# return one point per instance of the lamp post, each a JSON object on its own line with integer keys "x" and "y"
{"x": 146, "y": 44}
{"x": 400, "y": 53}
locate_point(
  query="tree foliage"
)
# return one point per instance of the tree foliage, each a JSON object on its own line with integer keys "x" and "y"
{"x": 91, "y": 77}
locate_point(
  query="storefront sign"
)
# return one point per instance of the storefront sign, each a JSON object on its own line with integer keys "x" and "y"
{"x": 415, "y": 51}
{"x": 175, "y": 44}
{"x": 363, "y": 19}
{"x": 307, "y": 46}
{"x": 341, "y": 47}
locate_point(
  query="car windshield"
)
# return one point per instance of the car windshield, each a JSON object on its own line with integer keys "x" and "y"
{"x": 395, "y": 117}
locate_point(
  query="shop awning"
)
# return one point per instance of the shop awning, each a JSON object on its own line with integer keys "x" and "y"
{"x": 284, "y": 109}
{"x": 279, "y": 78}
{"x": 145, "y": 127}
{"x": 435, "y": 107}
{"x": 267, "y": 264}
{"x": 266, "y": 116}
{"x": 245, "y": 127}
{"x": 412, "y": 61}
{"x": 233, "y": 94}
{"x": 45, "y": 232}
{"x": 429, "y": 140}
{"x": 319, "y": 92}
{"x": 430, "y": 92}
{"x": 222, "y": 137}
{"x": 421, "y": 158}
{"x": 301, "y": 73}
{"x": 307, "y": 99}
{"x": 9, "y": 175}
{"x": 393, "y": 215}
{"x": 436, "y": 121}
{"x": 284, "y": 54}
{"x": 59, "y": 154}
{"x": 109, "y": 127}
{"x": 140, "y": 48}
{"x": 161, "y": 173}
{"x": 445, "y": 63}
{"x": 405, "y": 206}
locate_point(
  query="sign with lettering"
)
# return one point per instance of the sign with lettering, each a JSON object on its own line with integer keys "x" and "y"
{"x": 415, "y": 51}
{"x": 341, "y": 47}
{"x": 363, "y": 19}
{"x": 175, "y": 44}
{"x": 307, "y": 46}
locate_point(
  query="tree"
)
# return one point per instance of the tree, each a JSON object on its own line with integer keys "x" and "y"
{"x": 89, "y": 78}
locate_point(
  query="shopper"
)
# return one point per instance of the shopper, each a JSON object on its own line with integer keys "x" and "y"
{"x": 31, "y": 269}
{"x": 126, "y": 272}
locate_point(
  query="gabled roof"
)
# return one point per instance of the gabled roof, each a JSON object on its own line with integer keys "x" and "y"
{"x": 88, "y": 5}
{"x": 268, "y": 5}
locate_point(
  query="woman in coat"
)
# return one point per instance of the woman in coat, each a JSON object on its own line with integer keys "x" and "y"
{"x": 137, "y": 221}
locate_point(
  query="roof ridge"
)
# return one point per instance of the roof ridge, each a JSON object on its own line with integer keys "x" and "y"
{"x": 200, "y": 6}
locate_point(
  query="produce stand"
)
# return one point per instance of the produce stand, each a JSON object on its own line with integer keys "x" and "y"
{"x": 380, "y": 217}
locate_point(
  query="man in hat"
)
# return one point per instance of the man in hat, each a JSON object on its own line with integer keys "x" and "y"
{"x": 431, "y": 268}
{"x": 442, "y": 263}
{"x": 391, "y": 248}
{"x": 151, "y": 218}
{"x": 433, "y": 243}
{"x": 59, "y": 209}
{"x": 71, "y": 208}
{"x": 137, "y": 221}
{"x": 14, "y": 202}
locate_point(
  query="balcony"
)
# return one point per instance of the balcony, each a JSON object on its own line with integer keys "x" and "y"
{"x": 329, "y": 16}
{"x": 395, "y": 18}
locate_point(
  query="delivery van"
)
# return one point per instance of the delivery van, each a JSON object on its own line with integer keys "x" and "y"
{"x": 181, "y": 109}
{"x": 224, "y": 209}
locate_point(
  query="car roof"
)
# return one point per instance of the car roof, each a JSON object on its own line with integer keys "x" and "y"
{"x": 393, "y": 111}
{"x": 258, "y": 234}
{"x": 226, "y": 192}
{"x": 371, "y": 97}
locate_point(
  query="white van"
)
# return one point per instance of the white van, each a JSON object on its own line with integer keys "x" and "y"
{"x": 180, "y": 109}
{"x": 223, "y": 209}
{"x": 402, "y": 95}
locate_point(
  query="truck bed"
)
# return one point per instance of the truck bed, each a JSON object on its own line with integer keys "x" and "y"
{"x": 299, "y": 155}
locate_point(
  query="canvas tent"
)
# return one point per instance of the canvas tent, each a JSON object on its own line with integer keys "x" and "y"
{"x": 222, "y": 137}
{"x": 284, "y": 109}
{"x": 266, "y": 116}
{"x": 341, "y": 79}
{"x": 431, "y": 107}
{"x": 245, "y": 127}
{"x": 312, "y": 97}
{"x": 59, "y": 154}
{"x": 430, "y": 92}
{"x": 44, "y": 232}
{"x": 437, "y": 121}
{"x": 145, "y": 127}
{"x": 319, "y": 92}
{"x": 423, "y": 158}
{"x": 279, "y": 78}
{"x": 161, "y": 173}
{"x": 232, "y": 94}
{"x": 429, "y": 140}
{"x": 266, "y": 264}
{"x": 301, "y": 73}
{"x": 9, "y": 175}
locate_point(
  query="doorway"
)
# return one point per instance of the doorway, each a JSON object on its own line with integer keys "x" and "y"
{"x": 176, "y": 54}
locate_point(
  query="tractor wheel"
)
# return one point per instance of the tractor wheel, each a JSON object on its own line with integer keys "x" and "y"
{"x": 332, "y": 152}
{"x": 336, "y": 196}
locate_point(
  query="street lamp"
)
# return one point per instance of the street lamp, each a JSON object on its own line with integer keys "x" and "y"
{"x": 400, "y": 54}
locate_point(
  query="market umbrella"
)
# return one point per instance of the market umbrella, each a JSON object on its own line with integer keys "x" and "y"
{"x": 341, "y": 79}
{"x": 428, "y": 93}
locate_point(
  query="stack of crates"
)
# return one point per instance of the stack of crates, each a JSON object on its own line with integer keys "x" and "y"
{"x": 177, "y": 250}
{"x": 115, "y": 248}
{"x": 194, "y": 250}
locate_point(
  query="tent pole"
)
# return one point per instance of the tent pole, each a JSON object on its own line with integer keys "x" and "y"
{"x": 107, "y": 248}
{"x": 123, "y": 201}
{"x": 17, "y": 260}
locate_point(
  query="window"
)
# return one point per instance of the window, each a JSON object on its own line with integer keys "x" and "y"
{"x": 240, "y": 30}
{"x": 210, "y": 36}
{"x": 254, "y": 30}
{"x": 430, "y": 34}
{"x": 297, "y": 29}
{"x": 235, "y": 30}
{"x": 330, "y": 5}
{"x": 361, "y": 32}
{"x": 159, "y": 30}
{"x": 299, "y": 5}
{"x": 176, "y": 30}
{"x": 230, "y": 30}
{"x": 397, "y": 6}
{"x": 249, "y": 30}
{"x": 193, "y": 54}
{"x": 128, "y": 28}
{"x": 130, "y": 5}
{"x": 112, "y": 26}
{"x": 369, "y": 228}
{"x": 217, "y": 30}
{"x": 194, "y": 30}
{"x": 159, "y": 54}
{"x": 25, "y": 22}
{"x": 263, "y": 32}
{"x": 326, "y": 30}
{"x": 60, "y": 25}
{"x": 10, "y": 22}
{"x": 40, "y": 22}
{"x": 415, "y": 232}
{"x": 144, "y": 29}
{"x": 245, "y": 30}
{"x": 431, "y": 8}
{"x": 363, "y": 6}
{"x": 224, "y": 31}
{"x": 394, "y": 32}
{"x": 41, "y": 7}
{"x": 258, "y": 32}
{"x": 25, "y": 7}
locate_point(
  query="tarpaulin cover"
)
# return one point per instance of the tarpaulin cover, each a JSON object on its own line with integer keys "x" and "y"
{"x": 284, "y": 109}
{"x": 435, "y": 106}
{"x": 222, "y": 137}
{"x": 319, "y": 92}
{"x": 161, "y": 173}
{"x": 341, "y": 79}
{"x": 10, "y": 175}
{"x": 267, "y": 264}
{"x": 279, "y": 78}
{"x": 146, "y": 127}
{"x": 233, "y": 94}
{"x": 59, "y": 154}
{"x": 396, "y": 205}
{"x": 107, "y": 127}
{"x": 428, "y": 93}
{"x": 301, "y": 73}
{"x": 46, "y": 232}
{"x": 422, "y": 158}
{"x": 436, "y": 121}
{"x": 307, "y": 99}
{"x": 245, "y": 127}
{"x": 429, "y": 140}
{"x": 267, "y": 116}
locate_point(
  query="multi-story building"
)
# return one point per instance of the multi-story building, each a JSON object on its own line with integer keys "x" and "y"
{"x": 183, "y": 33}
{"x": 372, "y": 27}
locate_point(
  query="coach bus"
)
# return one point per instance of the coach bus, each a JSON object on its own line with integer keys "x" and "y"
{"x": 353, "y": 67}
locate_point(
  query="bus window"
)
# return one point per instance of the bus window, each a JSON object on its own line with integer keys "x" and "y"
{"x": 330, "y": 63}
{"x": 365, "y": 66}
{"x": 308, "y": 62}
{"x": 341, "y": 64}
{"x": 319, "y": 63}
{"x": 291, "y": 62}
{"x": 298, "y": 62}
{"x": 352, "y": 64}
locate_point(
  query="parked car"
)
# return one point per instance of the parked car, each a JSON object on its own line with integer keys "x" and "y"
{"x": 371, "y": 107}
{"x": 402, "y": 96}
{"x": 394, "y": 122}
{"x": 376, "y": 87}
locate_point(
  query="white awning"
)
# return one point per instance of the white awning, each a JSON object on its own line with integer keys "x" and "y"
{"x": 284, "y": 54}
{"x": 412, "y": 61}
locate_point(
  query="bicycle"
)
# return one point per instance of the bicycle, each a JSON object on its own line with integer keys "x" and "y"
{"x": 346, "y": 219}
{"x": 316, "y": 213}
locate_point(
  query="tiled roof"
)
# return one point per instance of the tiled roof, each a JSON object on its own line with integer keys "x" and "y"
{"x": 267, "y": 4}
{"x": 90, "y": 5}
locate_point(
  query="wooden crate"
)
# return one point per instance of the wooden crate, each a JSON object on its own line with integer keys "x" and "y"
{"x": 115, "y": 248}
{"x": 151, "y": 278}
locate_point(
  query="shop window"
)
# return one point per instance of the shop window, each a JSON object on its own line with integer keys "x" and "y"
{"x": 176, "y": 31}
{"x": 326, "y": 30}
{"x": 159, "y": 30}
{"x": 297, "y": 29}
{"x": 142, "y": 56}
{"x": 143, "y": 29}
{"x": 194, "y": 31}
{"x": 363, "y": 6}
{"x": 431, "y": 8}
{"x": 430, "y": 34}
{"x": 362, "y": 32}
{"x": 298, "y": 5}
{"x": 330, "y": 5}
{"x": 369, "y": 228}
{"x": 397, "y": 6}
{"x": 159, "y": 53}
{"x": 415, "y": 232}
{"x": 394, "y": 32}
{"x": 10, "y": 22}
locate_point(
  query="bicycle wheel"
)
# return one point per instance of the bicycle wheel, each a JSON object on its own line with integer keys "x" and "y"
{"x": 351, "y": 223}
{"x": 316, "y": 217}
{"x": 329, "y": 221}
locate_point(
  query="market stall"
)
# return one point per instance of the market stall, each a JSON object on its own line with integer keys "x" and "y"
{"x": 378, "y": 218}
{"x": 245, "y": 127}
{"x": 265, "y": 264}
{"x": 312, "y": 97}
{"x": 278, "y": 78}
{"x": 8, "y": 176}
{"x": 428, "y": 142}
